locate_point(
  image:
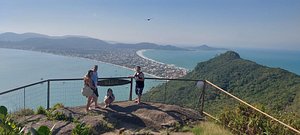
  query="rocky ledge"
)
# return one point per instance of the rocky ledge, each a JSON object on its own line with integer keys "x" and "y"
{"x": 120, "y": 117}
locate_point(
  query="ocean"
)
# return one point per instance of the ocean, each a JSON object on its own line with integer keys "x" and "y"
{"x": 288, "y": 60}
{"x": 20, "y": 67}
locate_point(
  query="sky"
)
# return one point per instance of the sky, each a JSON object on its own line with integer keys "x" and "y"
{"x": 220, "y": 23}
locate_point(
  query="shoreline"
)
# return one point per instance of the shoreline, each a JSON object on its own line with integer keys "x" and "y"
{"x": 140, "y": 53}
{"x": 108, "y": 64}
{"x": 83, "y": 59}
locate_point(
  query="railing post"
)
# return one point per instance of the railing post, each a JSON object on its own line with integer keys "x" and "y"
{"x": 24, "y": 101}
{"x": 202, "y": 97}
{"x": 130, "y": 93}
{"x": 48, "y": 94}
{"x": 165, "y": 93}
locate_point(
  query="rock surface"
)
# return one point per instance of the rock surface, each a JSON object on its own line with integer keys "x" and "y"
{"x": 121, "y": 116}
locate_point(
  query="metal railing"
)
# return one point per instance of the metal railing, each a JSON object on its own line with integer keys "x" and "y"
{"x": 48, "y": 92}
{"x": 45, "y": 93}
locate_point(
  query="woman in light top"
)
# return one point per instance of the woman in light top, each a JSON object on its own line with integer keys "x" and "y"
{"x": 88, "y": 82}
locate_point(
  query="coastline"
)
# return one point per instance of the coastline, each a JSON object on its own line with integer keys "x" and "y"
{"x": 84, "y": 59}
{"x": 109, "y": 64}
{"x": 140, "y": 53}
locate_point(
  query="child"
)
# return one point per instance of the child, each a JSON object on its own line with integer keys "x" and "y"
{"x": 109, "y": 98}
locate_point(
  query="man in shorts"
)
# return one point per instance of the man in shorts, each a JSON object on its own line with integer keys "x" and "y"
{"x": 139, "y": 83}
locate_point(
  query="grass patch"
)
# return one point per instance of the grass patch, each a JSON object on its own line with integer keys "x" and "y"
{"x": 22, "y": 112}
{"x": 206, "y": 128}
{"x": 41, "y": 110}
{"x": 81, "y": 129}
{"x": 210, "y": 128}
{"x": 58, "y": 106}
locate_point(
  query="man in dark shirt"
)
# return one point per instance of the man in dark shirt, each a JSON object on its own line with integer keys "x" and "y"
{"x": 139, "y": 83}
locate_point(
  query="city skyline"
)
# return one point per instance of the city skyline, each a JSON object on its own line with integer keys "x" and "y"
{"x": 244, "y": 24}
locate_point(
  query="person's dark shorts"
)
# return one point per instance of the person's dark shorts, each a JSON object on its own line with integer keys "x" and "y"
{"x": 139, "y": 91}
{"x": 96, "y": 92}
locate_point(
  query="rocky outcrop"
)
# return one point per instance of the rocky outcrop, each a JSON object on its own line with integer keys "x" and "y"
{"x": 122, "y": 116}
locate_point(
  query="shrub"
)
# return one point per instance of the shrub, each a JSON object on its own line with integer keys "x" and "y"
{"x": 41, "y": 110}
{"x": 7, "y": 126}
{"x": 58, "y": 106}
{"x": 44, "y": 130}
{"x": 244, "y": 119}
{"x": 81, "y": 129}
{"x": 23, "y": 112}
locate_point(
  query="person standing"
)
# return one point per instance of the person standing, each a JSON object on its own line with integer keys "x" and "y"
{"x": 89, "y": 83}
{"x": 95, "y": 83}
{"x": 139, "y": 83}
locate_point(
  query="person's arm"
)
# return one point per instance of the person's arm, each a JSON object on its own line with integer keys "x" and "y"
{"x": 95, "y": 79}
{"x": 141, "y": 77}
{"x": 113, "y": 97}
{"x": 132, "y": 76}
{"x": 91, "y": 85}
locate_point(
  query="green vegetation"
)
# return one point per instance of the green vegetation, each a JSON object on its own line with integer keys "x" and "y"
{"x": 276, "y": 89}
{"x": 41, "y": 110}
{"x": 9, "y": 127}
{"x": 81, "y": 129}
{"x": 243, "y": 119}
{"x": 43, "y": 130}
{"x": 209, "y": 128}
{"x": 58, "y": 106}
{"x": 56, "y": 113}
{"x": 23, "y": 112}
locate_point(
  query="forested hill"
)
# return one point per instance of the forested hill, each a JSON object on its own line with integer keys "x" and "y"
{"x": 274, "y": 88}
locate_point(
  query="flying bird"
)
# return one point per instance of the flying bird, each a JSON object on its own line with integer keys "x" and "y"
{"x": 148, "y": 19}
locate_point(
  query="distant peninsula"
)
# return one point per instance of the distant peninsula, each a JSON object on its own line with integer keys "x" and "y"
{"x": 205, "y": 48}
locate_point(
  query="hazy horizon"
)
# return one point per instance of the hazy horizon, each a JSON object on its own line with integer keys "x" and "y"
{"x": 273, "y": 24}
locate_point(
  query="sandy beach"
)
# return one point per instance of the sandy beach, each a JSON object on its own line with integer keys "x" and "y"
{"x": 140, "y": 53}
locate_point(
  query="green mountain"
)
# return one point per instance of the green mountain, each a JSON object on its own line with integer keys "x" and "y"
{"x": 274, "y": 88}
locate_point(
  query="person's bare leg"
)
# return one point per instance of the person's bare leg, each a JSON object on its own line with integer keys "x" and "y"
{"x": 139, "y": 99}
{"x": 106, "y": 103}
{"x": 92, "y": 100}
{"x": 96, "y": 101}
{"x": 89, "y": 100}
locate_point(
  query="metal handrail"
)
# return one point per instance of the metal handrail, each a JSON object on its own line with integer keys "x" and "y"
{"x": 22, "y": 87}
{"x": 201, "y": 98}
{"x": 73, "y": 79}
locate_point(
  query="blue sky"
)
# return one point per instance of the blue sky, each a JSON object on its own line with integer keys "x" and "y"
{"x": 221, "y": 23}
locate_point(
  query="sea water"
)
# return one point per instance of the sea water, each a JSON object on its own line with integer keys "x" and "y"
{"x": 288, "y": 60}
{"x": 19, "y": 68}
